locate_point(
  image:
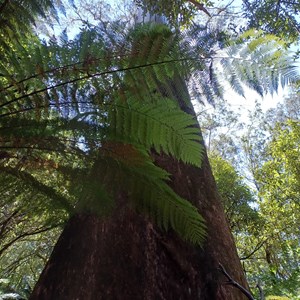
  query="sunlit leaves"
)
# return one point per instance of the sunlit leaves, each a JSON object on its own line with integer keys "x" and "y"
{"x": 178, "y": 13}
{"x": 275, "y": 17}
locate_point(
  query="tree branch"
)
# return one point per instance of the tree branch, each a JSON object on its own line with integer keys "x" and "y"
{"x": 254, "y": 250}
{"x": 235, "y": 284}
{"x": 261, "y": 292}
{"x": 21, "y": 236}
{"x": 200, "y": 6}
{"x": 4, "y": 223}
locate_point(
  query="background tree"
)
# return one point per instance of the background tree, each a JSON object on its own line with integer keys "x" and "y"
{"x": 279, "y": 179}
{"x": 276, "y": 17}
{"x": 266, "y": 244}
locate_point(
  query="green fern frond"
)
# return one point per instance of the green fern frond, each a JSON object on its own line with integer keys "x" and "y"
{"x": 148, "y": 191}
{"x": 61, "y": 201}
{"x": 170, "y": 211}
{"x": 160, "y": 125}
{"x": 259, "y": 63}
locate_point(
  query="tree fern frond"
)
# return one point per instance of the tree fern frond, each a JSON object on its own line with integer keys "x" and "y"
{"x": 170, "y": 211}
{"x": 259, "y": 63}
{"x": 156, "y": 47}
{"x": 161, "y": 125}
{"x": 148, "y": 191}
{"x": 48, "y": 191}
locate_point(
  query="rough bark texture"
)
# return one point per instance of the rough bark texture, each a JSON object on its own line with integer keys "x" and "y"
{"x": 127, "y": 257}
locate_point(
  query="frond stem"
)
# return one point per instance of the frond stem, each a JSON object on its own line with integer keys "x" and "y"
{"x": 92, "y": 76}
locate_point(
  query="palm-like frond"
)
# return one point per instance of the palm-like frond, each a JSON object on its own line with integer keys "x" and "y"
{"x": 161, "y": 126}
{"x": 258, "y": 61}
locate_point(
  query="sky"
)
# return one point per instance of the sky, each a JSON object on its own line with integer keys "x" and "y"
{"x": 243, "y": 105}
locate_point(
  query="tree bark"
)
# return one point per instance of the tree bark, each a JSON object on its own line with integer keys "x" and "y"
{"x": 125, "y": 256}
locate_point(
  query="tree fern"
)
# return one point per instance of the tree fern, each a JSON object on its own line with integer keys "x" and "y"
{"x": 124, "y": 126}
{"x": 81, "y": 100}
{"x": 258, "y": 61}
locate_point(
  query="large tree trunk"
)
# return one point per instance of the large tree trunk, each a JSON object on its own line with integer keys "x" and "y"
{"x": 127, "y": 257}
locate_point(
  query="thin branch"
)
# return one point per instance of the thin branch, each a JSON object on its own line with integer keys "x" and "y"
{"x": 5, "y": 222}
{"x": 200, "y": 6}
{"x": 261, "y": 292}
{"x": 277, "y": 9}
{"x": 235, "y": 284}
{"x": 254, "y": 250}
{"x": 37, "y": 231}
{"x": 225, "y": 7}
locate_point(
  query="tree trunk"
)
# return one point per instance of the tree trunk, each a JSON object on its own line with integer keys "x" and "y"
{"x": 127, "y": 257}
